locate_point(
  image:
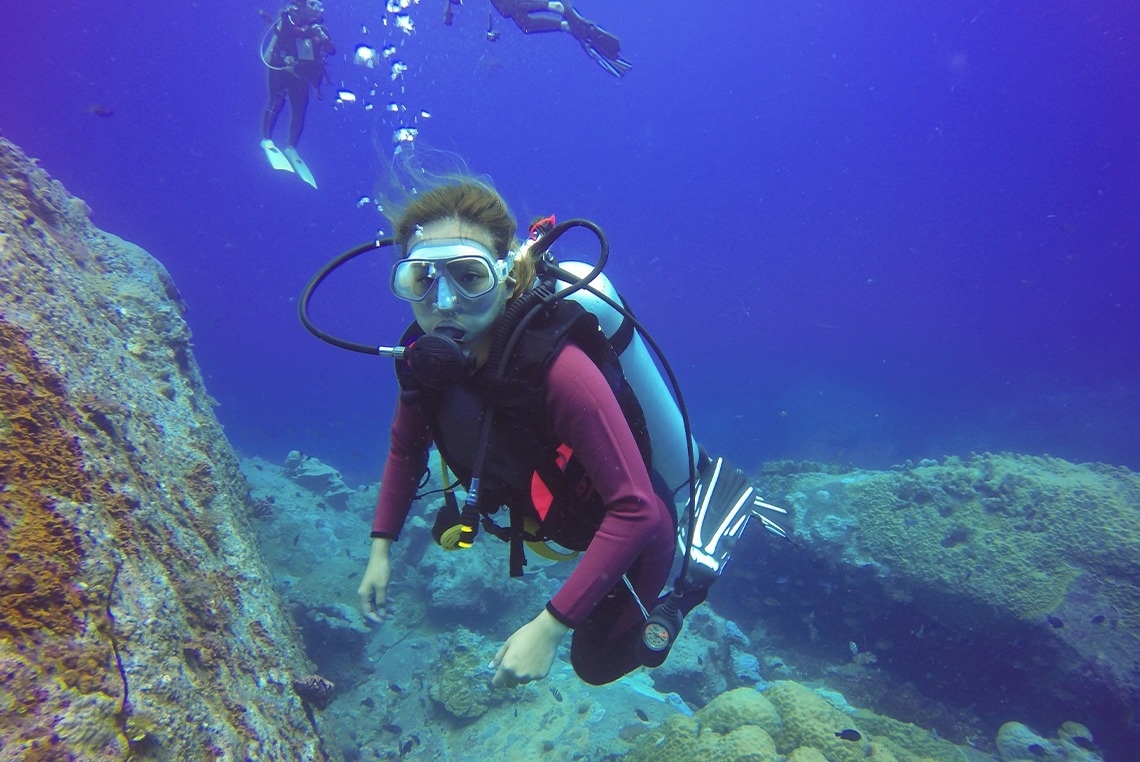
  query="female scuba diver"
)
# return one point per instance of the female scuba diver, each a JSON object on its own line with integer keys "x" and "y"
{"x": 525, "y": 398}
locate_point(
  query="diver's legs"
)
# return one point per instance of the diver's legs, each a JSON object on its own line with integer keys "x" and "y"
{"x": 606, "y": 645}
{"x": 273, "y": 104}
{"x": 298, "y": 103}
{"x": 599, "y": 657}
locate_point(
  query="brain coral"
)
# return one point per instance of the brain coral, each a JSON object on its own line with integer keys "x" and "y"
{"x": 787, "y": 719}
{"x": 809, "y": 720}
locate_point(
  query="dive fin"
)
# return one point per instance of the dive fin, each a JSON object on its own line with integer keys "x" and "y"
{"x": 277, "y": 159}
{"x": 299, "y": 166}
{"x": 758, "y": 504}
{"x": 725, "y": 500}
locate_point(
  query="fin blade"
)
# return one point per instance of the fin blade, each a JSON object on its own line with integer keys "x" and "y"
{"x": 276, "y": 158}
{"x": 299, "y": 166}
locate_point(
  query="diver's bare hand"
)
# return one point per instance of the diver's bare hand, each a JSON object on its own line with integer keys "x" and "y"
{"x": 373, "y": 590}
{"x": 529, "y": 652}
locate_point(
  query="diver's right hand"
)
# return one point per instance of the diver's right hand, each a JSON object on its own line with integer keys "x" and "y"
{"x": 373, "y": 589}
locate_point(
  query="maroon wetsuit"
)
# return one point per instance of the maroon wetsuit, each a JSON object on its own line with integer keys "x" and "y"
{"x": 635, "y": 537}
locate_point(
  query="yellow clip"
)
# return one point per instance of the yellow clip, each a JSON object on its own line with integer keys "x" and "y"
{"x": 449, "y": 540}
{"x": 530, "y": 526}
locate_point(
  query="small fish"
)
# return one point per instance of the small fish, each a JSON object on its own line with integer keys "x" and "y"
{"x": 849, "y": 734}
{"x": 296, "y": 538}
{"x": 1097, "y": 620}
{"x": 396, "y": 689}
{"x": 1055, "y": 622}
{"x": 415, "y": 739}
{"x": 98, "y": 109}
{"x": 405, "y": 747}
{"x": 368, "y": 702}
{"x": 641, "y": 715}
{"x": 1084, "y": 743}
{"x": 1036, "y": 750}
{"x": 393, "y": 728}
{"x": 557, "y": 696}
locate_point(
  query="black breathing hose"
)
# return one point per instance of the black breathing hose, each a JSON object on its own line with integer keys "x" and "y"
{"x": 324, "y": 272}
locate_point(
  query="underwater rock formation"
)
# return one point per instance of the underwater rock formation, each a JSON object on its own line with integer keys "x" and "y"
{"x": 1005, "y": 581}
{"x": 136, "y": 618}
{"x": 791, "y": 720}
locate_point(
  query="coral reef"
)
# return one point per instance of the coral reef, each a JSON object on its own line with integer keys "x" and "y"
{"x": 457, "y": 689}
{"x": 1074, "y": 743}
{"x": 790, "y": 719}
{"x": 134, "y": 616}
{"x": 40, "y": 464}
{"x": 1021, "y": 567}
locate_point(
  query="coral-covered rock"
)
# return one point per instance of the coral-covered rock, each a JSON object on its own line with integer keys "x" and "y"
{"x": 742, "y": 706}
{"x": 462, "y": 685}
{"x": 135, "y": 612}
{"x": 789, "y": 719}
{"x": 810, "y": 720}
{"x": 944, "y": 563}
{"x": 1016, "y": 742}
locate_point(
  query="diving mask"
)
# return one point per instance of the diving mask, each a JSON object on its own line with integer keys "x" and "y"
{"x": 469, "y": 268}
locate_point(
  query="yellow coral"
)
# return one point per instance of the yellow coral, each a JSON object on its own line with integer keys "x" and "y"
{"x": 738, "y": 707}
{"x": 806, "y": 754}
{"x": 731, "y": 728}
{"x": 40, "y": 461}
{"x": 810, "y": 721}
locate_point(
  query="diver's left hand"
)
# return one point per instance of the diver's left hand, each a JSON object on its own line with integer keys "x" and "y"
{"x": 529, "y": 652}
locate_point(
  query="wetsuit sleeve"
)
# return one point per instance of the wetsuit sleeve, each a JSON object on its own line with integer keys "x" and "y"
{"x": 407, "y": 458}
{"x": 585, "y": 414}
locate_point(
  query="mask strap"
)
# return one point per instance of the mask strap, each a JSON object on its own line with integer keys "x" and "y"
{"x": 506, "y": 264}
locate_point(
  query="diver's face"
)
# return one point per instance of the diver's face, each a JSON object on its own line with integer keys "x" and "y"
{"x": 445, "y": 309}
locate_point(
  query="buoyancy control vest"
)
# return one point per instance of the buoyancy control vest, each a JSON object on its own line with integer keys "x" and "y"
{"x": 526, "y": 468}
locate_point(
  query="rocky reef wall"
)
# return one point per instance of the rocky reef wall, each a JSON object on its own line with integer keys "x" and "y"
{"x": 137, "y": 617}
{"x": 1003, "y": 582}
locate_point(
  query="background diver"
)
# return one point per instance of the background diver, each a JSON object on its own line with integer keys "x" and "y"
{"x": 567, "y": 452}
{"x": 535, "y": 16}
{"x": 293, "y": 51}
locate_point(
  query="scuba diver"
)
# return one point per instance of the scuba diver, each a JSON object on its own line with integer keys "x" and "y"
{"x": 536, "y": 16}
{"x": 535, "y": 405}
{"x": 293, "y": 51}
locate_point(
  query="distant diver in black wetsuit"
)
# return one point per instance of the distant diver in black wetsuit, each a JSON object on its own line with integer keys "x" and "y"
{"x": 535, "y": 17}
{"x": 294, "y": 53}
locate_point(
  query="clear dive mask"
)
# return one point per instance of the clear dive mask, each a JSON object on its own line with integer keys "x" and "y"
{"x": 468, "y": 267}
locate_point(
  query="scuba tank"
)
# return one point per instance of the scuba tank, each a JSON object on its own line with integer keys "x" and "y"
{"x": 662, "y": 416}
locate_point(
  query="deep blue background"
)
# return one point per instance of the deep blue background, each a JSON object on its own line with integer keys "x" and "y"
{"x": 865, "y": 232}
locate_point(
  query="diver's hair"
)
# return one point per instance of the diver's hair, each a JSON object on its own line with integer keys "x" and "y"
{"x": 475, "y": 203}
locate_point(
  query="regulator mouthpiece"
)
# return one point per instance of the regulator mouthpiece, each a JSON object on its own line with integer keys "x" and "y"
{"x": 437, "y": 361}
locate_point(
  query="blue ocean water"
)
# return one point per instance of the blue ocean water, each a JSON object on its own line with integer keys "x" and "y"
{"x": 862, "y": 232}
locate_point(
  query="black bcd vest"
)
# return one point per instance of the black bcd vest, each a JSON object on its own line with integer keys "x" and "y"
{"x": 522, "y": 447}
